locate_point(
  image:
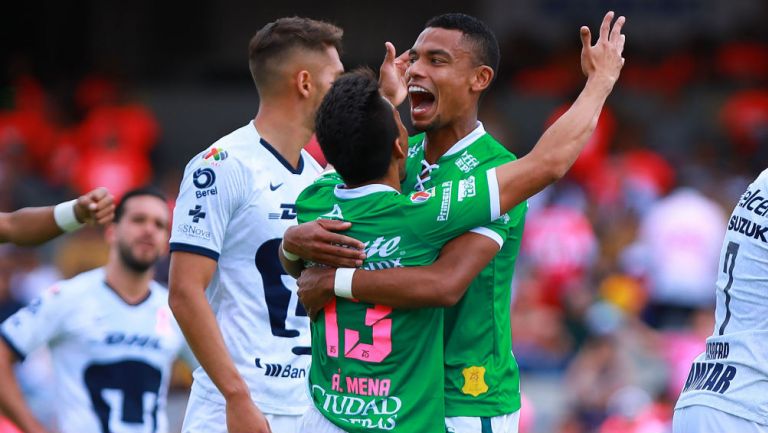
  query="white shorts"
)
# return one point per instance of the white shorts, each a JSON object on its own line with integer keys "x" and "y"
{"x": 314, "y": 422}
{"x": 704, "y": 419}
{"x": 472, "y": 424}
{"x": 208, "y": 416}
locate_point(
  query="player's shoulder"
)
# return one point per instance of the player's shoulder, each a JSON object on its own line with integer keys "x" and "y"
{"x": 77, "y": 288}
{"x": 325, "y": 183}
{"x": 230, "y": 150}
{"x": 489, "y": 149}
{"x": 762, "y": 179}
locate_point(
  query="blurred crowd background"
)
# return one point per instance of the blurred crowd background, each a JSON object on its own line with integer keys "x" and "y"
{"x": 614, "y": 289}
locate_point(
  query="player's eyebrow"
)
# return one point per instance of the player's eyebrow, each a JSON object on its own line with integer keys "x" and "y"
{"x": 433, "y": 52}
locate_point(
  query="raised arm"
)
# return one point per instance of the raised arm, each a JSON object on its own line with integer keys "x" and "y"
{"x": 190, "y": 274}
{"x": 561, "y": 143}
{"x": 440, "y": 284}
{"x": 35, "y": 225}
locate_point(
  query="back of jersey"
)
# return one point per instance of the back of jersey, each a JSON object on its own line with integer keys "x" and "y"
{"x": 732, "y": 374}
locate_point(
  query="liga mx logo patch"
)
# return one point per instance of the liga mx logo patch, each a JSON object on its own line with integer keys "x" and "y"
{"x": 215, "y": 156}
{"x": 474, "y": 381}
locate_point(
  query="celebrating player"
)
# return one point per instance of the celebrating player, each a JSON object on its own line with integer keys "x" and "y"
{"x": 727, "y": 387}
{"x": 33, "y": 226}
{"x": 111, "y": 334}
{"x": 235, "y": 201}
{"x": 452, "y": 62}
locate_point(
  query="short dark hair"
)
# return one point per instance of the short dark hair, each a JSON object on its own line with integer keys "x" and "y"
{"x": 281, "y": 36}
{"x": 486, "y": 45}
{"x": 137, "y": 192}
{"x": 355, "y": 127}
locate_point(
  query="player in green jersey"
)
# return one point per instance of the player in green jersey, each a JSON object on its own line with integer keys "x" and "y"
{"x": 481, "y": 376}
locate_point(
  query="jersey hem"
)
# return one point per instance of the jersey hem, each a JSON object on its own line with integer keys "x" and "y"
{"x": 19, "y": 354}
{"x": 725, "y": 407}
{"x": 194, "y": 249}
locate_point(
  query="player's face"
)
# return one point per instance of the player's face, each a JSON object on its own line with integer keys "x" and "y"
{"x": 439, "y": 78}
{"x": 141, "y": 235}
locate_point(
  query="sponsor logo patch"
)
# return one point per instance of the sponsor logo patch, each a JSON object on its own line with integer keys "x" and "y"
{"x": 474, "y": 381}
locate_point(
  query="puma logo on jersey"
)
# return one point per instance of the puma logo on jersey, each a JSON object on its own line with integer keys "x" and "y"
{"x": 115, "y": 338}
{"x": 279, "y": 370}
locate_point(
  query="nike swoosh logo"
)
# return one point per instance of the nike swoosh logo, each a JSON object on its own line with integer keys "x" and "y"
{"x": 275, "y": 187}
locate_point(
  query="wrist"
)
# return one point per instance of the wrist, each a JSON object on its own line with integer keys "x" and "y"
{"x": 236, "y": 392}
{"x": 342, "y": 283}
{"x": 288, "y": 255}
{"x": 65, "y": 216}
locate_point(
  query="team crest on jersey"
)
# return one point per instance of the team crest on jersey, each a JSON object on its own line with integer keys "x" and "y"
{"x": 215, "y": 156}
{"x": 467, "y": 162}
{"x": 413, "y": 150}
{"x": 474, "y": 381}
{"x": 334, "y": 214}
{"x": 422, "y": 196}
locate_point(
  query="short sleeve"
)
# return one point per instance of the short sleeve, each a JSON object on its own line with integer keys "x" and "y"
{"x": 41, "y": 321}
{"x": 502, "y": 228}
{"x": 209, "y": 195}
{"x": 454, "y": 207}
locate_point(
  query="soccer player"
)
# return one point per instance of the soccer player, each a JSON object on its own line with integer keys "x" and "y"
{"x": 452, "y": 62}
{"x": 33, "y": 226}
{"x": 727, "y": 387}
{"x": 235, "y": 201}
{"x": 376, "y": 368}
{"x": 111, "y": 334}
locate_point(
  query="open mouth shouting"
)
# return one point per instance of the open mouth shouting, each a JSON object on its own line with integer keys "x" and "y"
{"x": 423, "y": 102}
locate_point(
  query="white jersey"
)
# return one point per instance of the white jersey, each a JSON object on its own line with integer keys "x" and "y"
{"x": 112, "y": 360}
{"x": 235, "y": 202}
{"x": 732, "y": 374}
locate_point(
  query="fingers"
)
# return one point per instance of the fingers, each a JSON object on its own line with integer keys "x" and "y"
{"x": 329, "y": 236}
{"x": 104, "y": 215}
{"x": 337, "y": 262}
{"x": 616, "y": 31}
{"x": 586, "y": 37}
{"x": 605, "y": 27}
{"x": 389, "y": 57}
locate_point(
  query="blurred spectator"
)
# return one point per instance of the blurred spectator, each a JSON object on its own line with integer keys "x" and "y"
{"x": 677, "y": 254}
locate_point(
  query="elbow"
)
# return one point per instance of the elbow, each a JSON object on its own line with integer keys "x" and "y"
{"x": 176, "y": 299}
{"x": 449, "y": 294}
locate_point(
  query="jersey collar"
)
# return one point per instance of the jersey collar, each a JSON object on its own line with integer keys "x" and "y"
{"x": 462, "y": 144}
{"x": 297, "y": 170}
{"x": 361, "y": 191}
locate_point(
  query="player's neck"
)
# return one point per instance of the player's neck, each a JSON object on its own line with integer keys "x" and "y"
{"x": 391, "y": 179}
{"x": 130, "y": 285}
{"x": 284, "y": 130}
{"x": 440, "y": 140}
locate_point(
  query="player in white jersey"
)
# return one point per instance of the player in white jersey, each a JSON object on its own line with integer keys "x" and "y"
{"x": 110, "y": 332}
{"x": 35, "y": 225}
{"x": 727, "y": 387}
{"x": 235, "y": 202}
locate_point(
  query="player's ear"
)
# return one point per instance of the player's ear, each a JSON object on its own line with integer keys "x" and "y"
{"x": 398, "y": 150}
{"x": 304, "y": 83}
{"x": 481, "y": 79}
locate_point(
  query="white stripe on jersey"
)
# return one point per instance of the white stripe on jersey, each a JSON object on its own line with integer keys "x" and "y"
{"x": 235, "y": 202}
{"x": 105, "y": 353}
{"x": 732, "y": 374}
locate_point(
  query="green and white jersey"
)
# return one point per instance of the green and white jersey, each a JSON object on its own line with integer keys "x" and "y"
{"x": 375, "y": 368}
{"x": 481, "y": 374}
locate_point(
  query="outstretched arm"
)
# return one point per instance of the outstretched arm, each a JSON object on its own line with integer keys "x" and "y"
{"x": 561, "y": 143}
{"x": 35, "y": 225}
{"x": 440, "y": 284}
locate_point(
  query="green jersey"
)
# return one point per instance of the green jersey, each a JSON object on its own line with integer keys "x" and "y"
{"x": 375, "y": 368}
{"x": 481, "y": 374}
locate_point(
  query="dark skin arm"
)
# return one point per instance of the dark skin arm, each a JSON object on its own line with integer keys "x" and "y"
{"x": 441, "y": 284}
{"x": 317, "y": 242}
